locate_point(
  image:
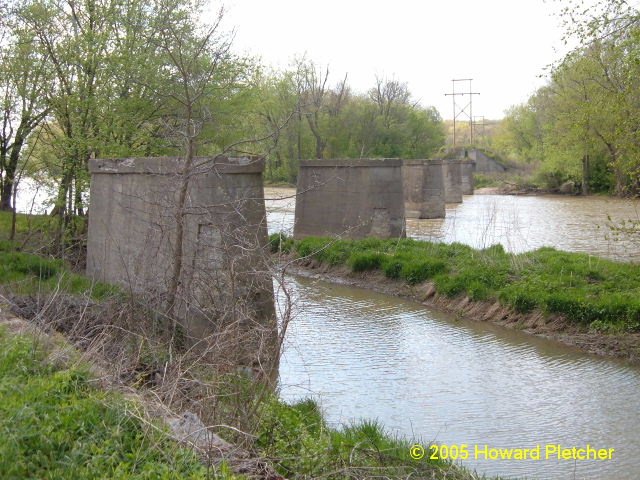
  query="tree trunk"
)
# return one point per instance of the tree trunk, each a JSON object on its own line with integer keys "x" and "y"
{"x": 320, "y": 143}
{"x": 7, "y": 190}
{"x": 8, "y": 182}
{"x": 585, "y": 175}
{"x": 299, "y": 134}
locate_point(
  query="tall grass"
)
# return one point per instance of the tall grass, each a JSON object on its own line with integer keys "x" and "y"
{"x": 56, "y": 424}
{"x": 27, "y": 274}
{"x": 303, "y": 446}
{"x": 586, "y": 290}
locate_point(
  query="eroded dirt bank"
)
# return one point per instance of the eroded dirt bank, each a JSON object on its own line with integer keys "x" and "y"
{"x": 624, "y": 346}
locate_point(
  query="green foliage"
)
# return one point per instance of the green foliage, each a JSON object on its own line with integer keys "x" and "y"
{"x": 15, "y": 262}
{"x": 520, "y": 297}
{"x": 303, "y": 446}
{"x": 27, "y": 274}
{"x": 55, "y": 424}
{"x": 481, "y": 180}
{"x": 583, "y": 288}
{"x": 421, "y": 270}
{"x": 279, "y": 242}
{"x": 588, "y": 108}
{"x": 449, "y": 286}
{"x": 392, "y": 268}
{"x": 361, "y": 261}
{"x": 339, "y": 123}
{"x": 29, "y": 228}
{"x": 333, "y": 252}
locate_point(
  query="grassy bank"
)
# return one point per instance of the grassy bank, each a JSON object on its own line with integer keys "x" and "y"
{"x": 588, "y": 291}
{"x": 56, "y": 424}
{"x": 28, "y": 274}
{"x": 300, "y": 443}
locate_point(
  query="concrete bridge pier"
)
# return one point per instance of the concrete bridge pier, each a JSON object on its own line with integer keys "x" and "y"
{"x": 467, "y": 167}
{"x": 223, "y": 293}
{"x": 453, "y": 181}
{"x": 424, "y": 188}
{"x": 354, "y": 198}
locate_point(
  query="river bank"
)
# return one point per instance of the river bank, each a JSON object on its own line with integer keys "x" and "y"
{"x": 582, "y": 309}
{"x": 117, "y": 343}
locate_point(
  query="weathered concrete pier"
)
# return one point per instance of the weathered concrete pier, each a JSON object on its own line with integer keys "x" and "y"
{"x": 485, "y": 163}
{"x": 453, "y": 181}
{"x": 355, "y": 198}
{"x": 424, "y": 194}
{"x": 467, "y": 167}
{"x": 139, "y": 229}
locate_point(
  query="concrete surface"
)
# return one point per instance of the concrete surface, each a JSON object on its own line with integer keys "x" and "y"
{"x": 224, "y": 284}
{"x": 350, "y": 198}
{"x": 453, "y": 181}
{"x": 423, "y": 188}
{"x": 467, "y": 167}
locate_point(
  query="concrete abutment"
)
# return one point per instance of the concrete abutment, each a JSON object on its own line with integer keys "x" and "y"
{"x": 467, "y": 167}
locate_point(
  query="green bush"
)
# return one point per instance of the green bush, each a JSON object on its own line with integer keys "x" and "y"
{"x": 279, "y": 242}
{"x": 422, "y": 270}
{"x": 310, "y": 246}
{"x": 27, "y": 264}
{"x": 55, "y": 424}
{"x": 574, "y": 307}
{"x": 477, "y": 290}
{"x": 392, "y": 267}
{"x": 449, "y": 285}
{"x": 7, "y": 246}
{"x": 521, "y": 298}
{"x": 362, "y": 261}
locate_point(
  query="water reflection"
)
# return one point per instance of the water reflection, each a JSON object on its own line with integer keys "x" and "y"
{"x": 421, "y": 374}
{"x": 522, "y": 223}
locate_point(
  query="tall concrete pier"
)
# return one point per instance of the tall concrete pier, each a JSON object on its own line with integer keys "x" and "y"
{"x": 134, "y": 240}
{"x": 453, "y": 181}
{"x": 467, "y": 167}
{"x": 350, "y": 198}
{"x": 423, "y": 188}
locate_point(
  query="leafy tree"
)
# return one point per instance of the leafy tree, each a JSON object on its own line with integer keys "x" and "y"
{"x": 24, "y": 73}
{"x": 584, "y": 123}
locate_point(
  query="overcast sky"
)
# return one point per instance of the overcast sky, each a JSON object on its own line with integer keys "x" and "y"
{"x": 504, "y": 45}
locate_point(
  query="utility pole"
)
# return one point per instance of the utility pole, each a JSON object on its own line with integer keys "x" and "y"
{"x": 457, "y": 110}
{"x": 480, "y": 124}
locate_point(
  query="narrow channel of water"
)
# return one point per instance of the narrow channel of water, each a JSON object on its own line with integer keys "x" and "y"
{"x": 423, "y": 374}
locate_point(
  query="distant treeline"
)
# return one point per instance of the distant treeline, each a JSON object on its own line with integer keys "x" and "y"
{"x": 584, "y": 125}
{"x": 84, "y": 79}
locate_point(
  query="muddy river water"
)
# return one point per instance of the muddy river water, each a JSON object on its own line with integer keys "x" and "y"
{"x": 429, "y": 376}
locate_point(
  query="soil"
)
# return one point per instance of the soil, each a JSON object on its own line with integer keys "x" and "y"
{"x": 551, "y": 326}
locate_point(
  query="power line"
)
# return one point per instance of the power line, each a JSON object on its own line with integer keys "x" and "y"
{"x": 480, "y": 123}
{"x": 457, "y": 110}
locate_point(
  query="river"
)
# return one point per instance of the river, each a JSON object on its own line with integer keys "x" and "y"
{"x": 519, "y": 223}
{"x": 429, "y": 376}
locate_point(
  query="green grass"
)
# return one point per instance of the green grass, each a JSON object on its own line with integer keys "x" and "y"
{"x": 303, "y": 446}
{"x": 30, "y": 229}
{"x": 26, "y": 274}
{"x": 57, "y": 424}
{"x": 587, "y": 290}
{"x": 54, "y": 424}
